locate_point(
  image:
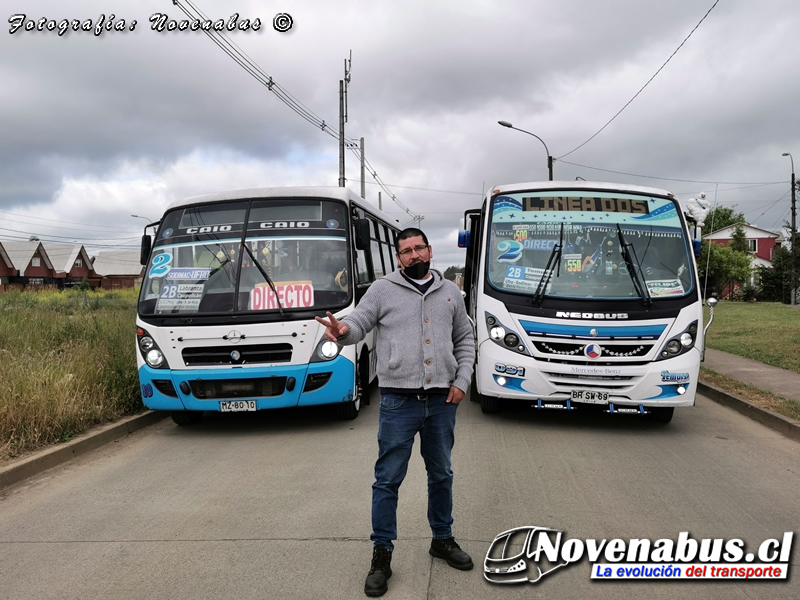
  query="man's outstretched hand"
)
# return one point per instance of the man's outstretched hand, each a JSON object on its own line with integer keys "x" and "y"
{"x": 334, "y": 329}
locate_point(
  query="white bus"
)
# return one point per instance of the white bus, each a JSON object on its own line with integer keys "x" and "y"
{"x": 232, "y": 284}
{"x": 583, "y": 294}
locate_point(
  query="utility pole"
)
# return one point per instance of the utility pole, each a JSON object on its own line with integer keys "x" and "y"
{"x": 363, "y": 182}
{"x": 343, "y": 83}
{"x": 794, "y": 239}
{"x": 341, "y": 133}
{"x": 380, "y": 202}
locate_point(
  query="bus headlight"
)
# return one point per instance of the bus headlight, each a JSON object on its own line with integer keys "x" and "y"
{"x": 154, "y": 358}
{"x": 329, "y": 350}
{"x": 511, "y": 340}
{"x": 679, "y": 344}
{"x": 326, "y": 350}
{"x": 149, "y": 350}
{"x": 497, "y": 333}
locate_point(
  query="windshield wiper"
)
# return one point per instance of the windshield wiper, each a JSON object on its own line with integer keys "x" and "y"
{"x": 555, "y": 254}
{"x": 639, "y": 283}
{"x": 266, "y": 277}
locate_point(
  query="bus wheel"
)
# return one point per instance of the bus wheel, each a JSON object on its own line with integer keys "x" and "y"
{"x": 661, "y": 414}
{"x": 489, "y": 404}
{"x": 186, "y": 417}
{"x": 349, "y": 410}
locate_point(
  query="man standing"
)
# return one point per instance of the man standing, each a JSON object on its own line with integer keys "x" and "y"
{"x": 425, "y": 354}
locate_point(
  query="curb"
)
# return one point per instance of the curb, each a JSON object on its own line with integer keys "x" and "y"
{"x": 783, "y": 425}
{"x": 81, "y": 444}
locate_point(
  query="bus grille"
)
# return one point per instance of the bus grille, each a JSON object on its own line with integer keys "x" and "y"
{"x": 237, "y": 355}
{"x": 211, "y": 389}
{"x": 566, "y": 349}
{"x": 607, "y": 383}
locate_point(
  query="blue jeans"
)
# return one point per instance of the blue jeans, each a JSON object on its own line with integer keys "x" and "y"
{"x": 402, "y": 416}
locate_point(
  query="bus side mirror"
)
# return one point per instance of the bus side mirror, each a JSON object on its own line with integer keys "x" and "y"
{"x": 463, "y": 239}
{"x": 145, "y": 252}
{"x": 696, "y": 244}
{"x": 362, "y": 234}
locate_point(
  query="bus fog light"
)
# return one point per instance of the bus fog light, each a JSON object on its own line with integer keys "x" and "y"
{"x": 681, "y": 389}
{"x": 674, "y": 346}
{"x": 497, "y": 333}
{"x": 686, "y": 340}
{"x": 501, "y": 381}
{"x": 154, "y": 358}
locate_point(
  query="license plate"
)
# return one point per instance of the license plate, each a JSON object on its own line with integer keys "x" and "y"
{"x": 590, "y": 396}
{"x": 237, "y": 406}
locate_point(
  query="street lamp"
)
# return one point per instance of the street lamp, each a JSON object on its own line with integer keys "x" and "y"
{"x": 149, "y": 220}
{"x": 549, "y": 158}
{"x": 793, "y": 255}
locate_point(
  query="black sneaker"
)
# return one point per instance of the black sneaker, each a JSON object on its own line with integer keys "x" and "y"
{"x": 379, "y": 572}
{"x": 450, "y": 551}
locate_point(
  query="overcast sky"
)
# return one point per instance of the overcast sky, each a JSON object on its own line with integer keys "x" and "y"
{"x": 96, "y": 128}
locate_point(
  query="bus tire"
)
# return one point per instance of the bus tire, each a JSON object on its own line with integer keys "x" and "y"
{"x": 348, "y": 411}
{"x": 473, "y": 390}
{"x": 489, "y": 404}
{"x": 661, "y": 414}
{"x": 186, "y": 417}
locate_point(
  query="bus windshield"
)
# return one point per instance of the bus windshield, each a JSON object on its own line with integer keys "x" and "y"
{"x": 292, "y": 255}
{"x": 588, "y": 244}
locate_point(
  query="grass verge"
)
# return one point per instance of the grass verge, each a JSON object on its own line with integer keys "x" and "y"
{"x": 761, "y": 398}
{"x": 67, "y": 363}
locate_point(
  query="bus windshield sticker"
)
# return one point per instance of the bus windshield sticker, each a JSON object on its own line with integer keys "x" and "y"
{"x": 184, "y": 274}
{"x": 292, "y": 294}
{"x": 181, "y": 296}
{"x": 665, "y": 287}
{"x": 524, "y": 279}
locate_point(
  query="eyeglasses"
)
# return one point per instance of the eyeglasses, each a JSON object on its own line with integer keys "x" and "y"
{"x": 417, "y": 249}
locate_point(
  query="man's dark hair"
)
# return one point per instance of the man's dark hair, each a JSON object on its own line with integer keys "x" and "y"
{"x": 409, "y": 233}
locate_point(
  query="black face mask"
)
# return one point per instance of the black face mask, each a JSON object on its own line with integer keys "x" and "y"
{"x": 418, "y": 270}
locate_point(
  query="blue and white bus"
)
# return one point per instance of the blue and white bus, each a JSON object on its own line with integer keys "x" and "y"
{"x": 583, "y": 294}
{"x": 232, "y": 284}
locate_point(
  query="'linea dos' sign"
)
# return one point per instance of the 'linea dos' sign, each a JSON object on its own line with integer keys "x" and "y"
{"x": 294, "y": 294}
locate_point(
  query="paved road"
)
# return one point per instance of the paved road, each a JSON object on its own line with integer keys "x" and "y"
{"x": 277, "y": 505}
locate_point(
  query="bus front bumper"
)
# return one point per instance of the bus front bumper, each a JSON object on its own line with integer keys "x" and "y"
{"x": 248, "y": 388}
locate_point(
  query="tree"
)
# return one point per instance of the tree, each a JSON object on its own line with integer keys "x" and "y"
{"x": 720, "y": 266}
{"x": 775, "y": 279}
{"x": 450, "y": 272}
{"x": 721, "y": 217}
{"x": 739, "y": 241}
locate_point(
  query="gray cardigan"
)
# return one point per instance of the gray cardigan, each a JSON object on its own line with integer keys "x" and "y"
{"x": 423, "y": 341}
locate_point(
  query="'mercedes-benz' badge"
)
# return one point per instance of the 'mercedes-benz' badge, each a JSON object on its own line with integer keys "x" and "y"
{"x": 233, "y": 337}
{"x": 593, "y": 351}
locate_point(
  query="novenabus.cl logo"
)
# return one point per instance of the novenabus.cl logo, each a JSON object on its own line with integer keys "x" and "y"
{"x": 515, "y": 556}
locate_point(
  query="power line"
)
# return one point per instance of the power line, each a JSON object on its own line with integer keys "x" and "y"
{"x": 753, "y": 183}
{"x": 645, "y": 85}
{"x": 241, "y": 58}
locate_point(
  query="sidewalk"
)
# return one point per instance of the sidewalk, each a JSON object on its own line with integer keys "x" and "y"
{"x": 764, "y": 377}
